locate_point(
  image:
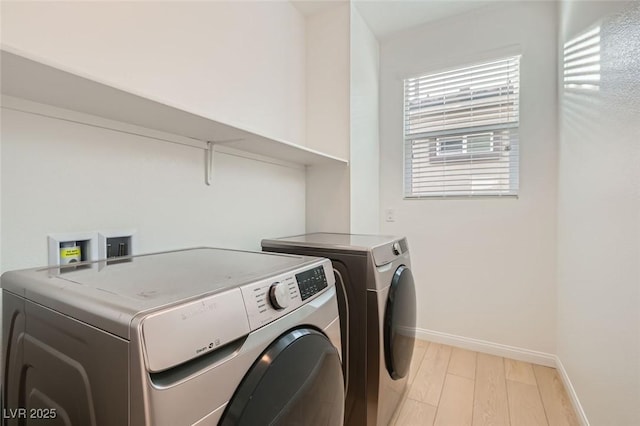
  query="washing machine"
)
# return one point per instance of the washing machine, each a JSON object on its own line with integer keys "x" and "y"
{"x": 377, "y": 304}
{"x": 192, "y": 337}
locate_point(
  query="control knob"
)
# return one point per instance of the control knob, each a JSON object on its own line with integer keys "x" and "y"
{"x": 397, "y": 250}
{"x": 278, "y": 296}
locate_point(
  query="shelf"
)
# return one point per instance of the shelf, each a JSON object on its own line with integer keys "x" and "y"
{"x": 27, "y": 78}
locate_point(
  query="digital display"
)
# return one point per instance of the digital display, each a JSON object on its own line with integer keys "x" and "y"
{"x": 311, "y": 282}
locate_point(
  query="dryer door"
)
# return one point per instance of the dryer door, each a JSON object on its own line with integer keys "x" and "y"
{"x": 297, "y": 380}
{"x": 400, "y": 323}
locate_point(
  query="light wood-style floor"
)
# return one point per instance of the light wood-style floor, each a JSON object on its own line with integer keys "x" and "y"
{"x": 454, "y": 387}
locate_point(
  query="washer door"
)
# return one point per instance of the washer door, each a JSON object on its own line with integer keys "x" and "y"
{"x": 297, "y": 380}
{"x": 400, "y": 323}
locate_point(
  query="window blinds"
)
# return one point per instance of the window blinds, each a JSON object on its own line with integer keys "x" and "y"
{"x": 461, "y": 131}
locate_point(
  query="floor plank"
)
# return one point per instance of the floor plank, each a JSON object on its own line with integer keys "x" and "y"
{"x": 418, "y": 355}
{"x": 427, "y": 385}
{"x": 490, "y": 405}
{"x": 519, "y": 371}
{"x": 463, "y": 363}
{"x": 416, "y": 413}
{"x": 455, "y": 387}
{"x": 419, "y": 343}
{"x": 555, "y": 400}
{"x": 525, "y": 405}
{"x": 456, "y": 402}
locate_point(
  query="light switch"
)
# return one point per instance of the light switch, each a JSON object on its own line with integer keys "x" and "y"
{"x": 390, "y": 215}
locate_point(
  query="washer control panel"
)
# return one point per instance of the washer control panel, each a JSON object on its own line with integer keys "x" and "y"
{"x": 279, "y": 296}
{"x": 268, "y": 300}
{"x": 311, "y": 282}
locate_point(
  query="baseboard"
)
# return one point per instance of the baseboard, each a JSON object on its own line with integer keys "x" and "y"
{"x": 535, "y": 357}
{"x": 582, "y": 417}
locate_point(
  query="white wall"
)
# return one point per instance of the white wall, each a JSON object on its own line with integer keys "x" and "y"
{"x": 364, "y": 144}
{"x": 327, "y": 38}
{"x": 242, "y": 63}
{"x": 327, "y": 207}
{"x": 59, "y": 176}
{"x": 599, "y": 219}
{"x": 328, "y": 114}
{"x": 484, "y": 268}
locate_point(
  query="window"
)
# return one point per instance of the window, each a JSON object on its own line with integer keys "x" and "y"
{"x": 461, "y": 131}
{"x": 582, "y": 61}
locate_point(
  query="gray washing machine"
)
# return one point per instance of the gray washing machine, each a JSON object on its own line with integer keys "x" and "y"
{"x": 192, "y": 337}
{"x": 376, "y": 299}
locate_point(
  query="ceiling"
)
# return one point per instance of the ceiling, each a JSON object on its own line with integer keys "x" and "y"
{"x": 311, "y": 7}
{"x": 387, "y": 17}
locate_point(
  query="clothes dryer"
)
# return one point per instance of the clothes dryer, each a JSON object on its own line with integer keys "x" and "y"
{"x": 192, "y": 337}
{"x": 376, "y": 299}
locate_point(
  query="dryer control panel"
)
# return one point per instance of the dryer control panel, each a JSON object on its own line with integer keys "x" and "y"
{"x": 268, "y": 300}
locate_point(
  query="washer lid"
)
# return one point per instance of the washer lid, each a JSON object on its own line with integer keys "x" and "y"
{"x": 108, "y": 295}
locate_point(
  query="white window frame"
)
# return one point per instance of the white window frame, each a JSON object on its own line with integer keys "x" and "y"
{"x": 463, "y": 172}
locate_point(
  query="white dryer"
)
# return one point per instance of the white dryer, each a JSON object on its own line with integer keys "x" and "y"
{"x": 193, "y": 337}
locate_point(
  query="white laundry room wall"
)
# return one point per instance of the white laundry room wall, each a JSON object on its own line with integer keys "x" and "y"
{"x": 328, "y": 116}
{"x": 342, "y": 118}
{"x": 485, "y": 268}
{"x": 242, "y": 63}
{"x": 60, "y": 177}
{"x": 599, "y": 217}
{"x": 364, "y": 143}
